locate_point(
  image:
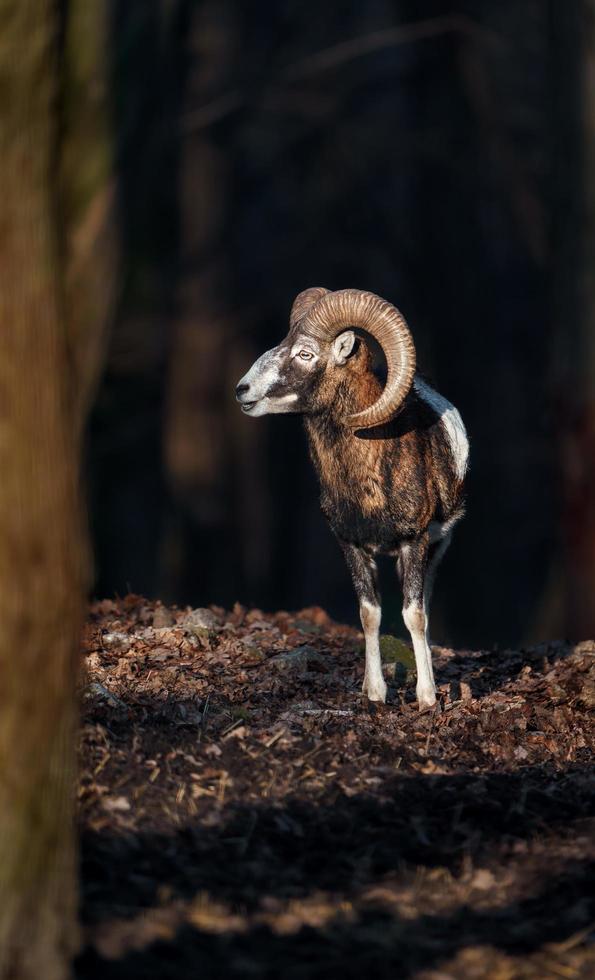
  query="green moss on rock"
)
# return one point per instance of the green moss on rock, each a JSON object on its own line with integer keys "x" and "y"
{"x": 394, "y": 650}
{"x": 397, "y": 658}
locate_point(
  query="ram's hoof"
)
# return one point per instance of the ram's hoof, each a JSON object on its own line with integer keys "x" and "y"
{"x": 426, "y": 701}
{"x": 377, "y": 693}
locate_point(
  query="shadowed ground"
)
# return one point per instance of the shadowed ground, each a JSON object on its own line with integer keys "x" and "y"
{"x": 244, "y": 813}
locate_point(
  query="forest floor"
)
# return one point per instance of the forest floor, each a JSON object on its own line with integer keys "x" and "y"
{"x": 245, "y": 813}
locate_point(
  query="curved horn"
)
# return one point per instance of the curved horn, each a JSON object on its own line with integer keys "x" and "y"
{"x": 335, "y": 312}
{"x": 304, "y": 301}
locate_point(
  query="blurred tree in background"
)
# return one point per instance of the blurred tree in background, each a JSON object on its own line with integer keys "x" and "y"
{"x": 436, "y": 154}
{"x": 570, "y": 596}
{"x": 58, "y": 257}
{"x": 441, "y": 155}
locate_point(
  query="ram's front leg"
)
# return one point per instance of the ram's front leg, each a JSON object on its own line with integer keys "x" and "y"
{"x": 413, "y": 568}
{"x": 364, "y": 575}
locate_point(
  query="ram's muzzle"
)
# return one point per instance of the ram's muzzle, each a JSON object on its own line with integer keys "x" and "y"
{"x": 264, "y": 390}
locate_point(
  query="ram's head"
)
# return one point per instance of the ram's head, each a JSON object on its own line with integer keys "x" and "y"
{"x": 304, "y": 370}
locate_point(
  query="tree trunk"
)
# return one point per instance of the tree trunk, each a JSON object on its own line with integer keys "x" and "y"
{"x": 45, "y": 379}
{"x": 579, "y": 469}
{"x": 567, "y": 608}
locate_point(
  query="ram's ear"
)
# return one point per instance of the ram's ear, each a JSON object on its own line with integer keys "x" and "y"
{"x": 342, "y": 346}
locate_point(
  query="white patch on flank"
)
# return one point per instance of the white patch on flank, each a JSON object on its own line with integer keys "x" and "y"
{"x": 451, "y": 421}
{"x": 374, "y": 685}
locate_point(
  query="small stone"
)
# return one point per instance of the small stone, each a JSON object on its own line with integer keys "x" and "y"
{"x": 116, "y": 640}
{"x": 188, "y": 714}
{"x": 99, "y": 690}
{"x": 466, "y": 692}
{"x": 203, "y": 619}
{"x": 398, "y": 660}
{"x": 302, "y": 708}
{"x": 162, "y": 617}
{"x": 145, "y": 615}
{"x": 93, "y": 662}
{"x": 253, "y": 651}
{"x": 302, "y": 659}
{"x": 393, "y": 650}
{"x": 483, "y": 880}
{"x": 159, "y": 655}
{"x": 306, "y": 626}
{"x": 115, "y": 803}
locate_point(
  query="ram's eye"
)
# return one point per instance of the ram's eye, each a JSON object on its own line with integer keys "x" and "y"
{"x": 305, "y": 355}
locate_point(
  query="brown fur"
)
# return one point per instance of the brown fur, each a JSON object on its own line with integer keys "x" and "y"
{"x": 416, "y": 620}
{"x": 369, "y": 619}
{"x": 400, "y": 475}
{"x": 392, "y": 489}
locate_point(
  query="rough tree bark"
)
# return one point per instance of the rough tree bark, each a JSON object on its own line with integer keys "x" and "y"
{"x": 49, "y": 351}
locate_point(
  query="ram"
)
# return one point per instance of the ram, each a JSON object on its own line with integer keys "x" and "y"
{"x": 391, "y": 459}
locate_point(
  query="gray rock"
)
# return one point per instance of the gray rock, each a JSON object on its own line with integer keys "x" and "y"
{"x": 302, "y": 660}
{"x": 303, "y": 709}
{"x": 95, "y": 689}
{"x": 201, "y": 619}
{"x": 160, "y": 655}
{"x": 305, "y": 626}
{"x": 116, "y": 640}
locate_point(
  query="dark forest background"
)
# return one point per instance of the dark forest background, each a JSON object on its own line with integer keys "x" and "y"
{"x": 439, "y": 154}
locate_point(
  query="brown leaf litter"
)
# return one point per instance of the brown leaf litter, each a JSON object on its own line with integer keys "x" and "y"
{"x": 245, "y": 813}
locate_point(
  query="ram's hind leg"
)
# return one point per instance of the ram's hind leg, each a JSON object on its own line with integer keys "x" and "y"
{"x": 413, "y": 569}
{"x": 364, "y": 575}
{"x": 435, "y": 556}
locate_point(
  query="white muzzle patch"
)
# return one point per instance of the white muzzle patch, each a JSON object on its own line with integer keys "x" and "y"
{"x": 253, "y": 389}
